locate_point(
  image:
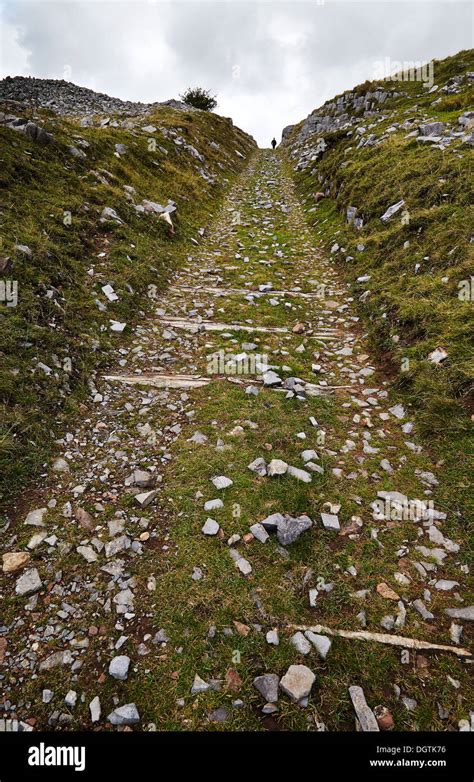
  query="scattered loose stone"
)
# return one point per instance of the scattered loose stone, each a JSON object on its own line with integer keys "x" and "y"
{"x": 366, "y": 717}
{"x": 199, "y": 685}
{"x": 28, "y": 583}
{"x": 300, "y": 643}
{"x": 300, "y": 475}
{"x": 384, "y": 718}
{"x": 221, "y": 482}
{"x": 259, "y": 532}
{"x": 385, "y": 591}
{"x": 71, "y": 698}
{"x": 330, "y": 521}
{"x": 95, "y": 709}
{"x": 297, "y": 682}
{"x": 124, "y": 715}
{"x": 270, "y": 378}
{"x": 321, "y": 643}
{"x": 277, "y": 467}
{"x": 14, "y": 561}
{"x": 445, "y": 585}
{"x": 213, "y": 505}
{"x": 35, "y": 517}
{"x": 258, "y": 466}
{"x": 146, "y": 498}
{"x": 272, "y": 637}
{"x": 289, "y": 529}
{"x": 88, "y": 553}
{"x": 467, "y": 614}
{"x": 271, "y": 522}
{"x": 211, "y": 527}
{"x": 219, "y": 715}
{"x": 267, "y": 685}
{"x": 422, "y": 610}
{"x": 118, "y": 667}
{"x": 56, "y": 659}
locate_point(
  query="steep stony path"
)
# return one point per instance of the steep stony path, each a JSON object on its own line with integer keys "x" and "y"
{"x": 243, "y": 472}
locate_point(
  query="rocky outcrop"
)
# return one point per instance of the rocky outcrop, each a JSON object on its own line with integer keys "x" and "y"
{"x": 64, "y": 97}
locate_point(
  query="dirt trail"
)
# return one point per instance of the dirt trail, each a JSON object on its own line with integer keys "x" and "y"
{"x": 253, "y": 372}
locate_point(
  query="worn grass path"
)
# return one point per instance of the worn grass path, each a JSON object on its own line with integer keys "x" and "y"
{"x": 146, "y": 582}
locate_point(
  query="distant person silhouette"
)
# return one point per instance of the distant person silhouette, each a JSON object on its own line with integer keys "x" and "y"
{"x": 274, "y": 143}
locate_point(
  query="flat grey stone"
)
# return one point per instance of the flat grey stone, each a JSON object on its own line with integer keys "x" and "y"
{"x": 277, "y": 467}
{"x": 259, "y": 532}
{"x": 94, "y": 708}
{"x": 422, "y": 610}
{"x": 267, "y": 685}
{"x": 297, "y": 682}
{"x": 47, "y": 696}
{"x": 309, "y": 455}
{"x": 211, "y": 527}
{"x": 146, "y": 498}
{"x": 366, "y": 717}
{"x": 392, "y": 210}
{"x": 118, "y": 667}
{"x": 221, "y": 482}
{"x": 330, "y": 521}
{"x": 321, "y": 643}
{"x": 219, "y": 715}
{"x": 28, "y": 583}
{"x": 198, "y": 438}
{"x": 272, "y": 637}
{"x": 258, "y": 466}
{"x": 213, "y": 505}
{"x": 143, "y": 479}
{"x": 55, "y": 659}
{"x": 466, "y": 613}
{"x": 113, "y": 547}
{"x": 301, "y": 644}
{"x": 88, "y": 553}
{"x": 271, "y": 522}
{"x": 199, "y": 685}
{"x": 244, "y": 566}
{"x": 300, "y": 475}
{"x": 35, "y": 517}
{"x": 161, "y": 637}
{"x": 71, "y": 698}
{"x": 444, "y": 585}
{"x": 271, "y": 378}
{"x": 291, "y": 528}
{"x": 124, "y": 715}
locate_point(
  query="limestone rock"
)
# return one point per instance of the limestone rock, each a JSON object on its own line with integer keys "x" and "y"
{"x": 289, "y": 529}
{"x": 118, "y": 667}
{"x": 124, "y": 715}
{"x": 14, "y": 560}
{"x": 267, "y": 685}
{"x": 297, "y": 682}
{"x": 28, "y": 583}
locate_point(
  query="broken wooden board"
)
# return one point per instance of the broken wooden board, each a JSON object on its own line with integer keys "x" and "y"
{"x": 161, "y": 380}
{"x": 384, "y": 638}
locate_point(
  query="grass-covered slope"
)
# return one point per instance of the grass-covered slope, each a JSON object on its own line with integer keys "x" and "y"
{"x": 61, "y": 251}
{"x": 412, "y": 275}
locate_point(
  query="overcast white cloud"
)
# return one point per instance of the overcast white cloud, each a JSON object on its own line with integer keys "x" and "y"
{"x": 270, "y": 63}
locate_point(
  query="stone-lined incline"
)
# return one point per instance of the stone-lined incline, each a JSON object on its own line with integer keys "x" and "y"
{"x": 184, "y": 530}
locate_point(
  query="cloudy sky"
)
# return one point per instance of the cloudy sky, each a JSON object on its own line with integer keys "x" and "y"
{"x": 270, "y": 63}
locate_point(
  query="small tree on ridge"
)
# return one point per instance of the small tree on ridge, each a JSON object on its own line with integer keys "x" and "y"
{"x": 199, "y": 98}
